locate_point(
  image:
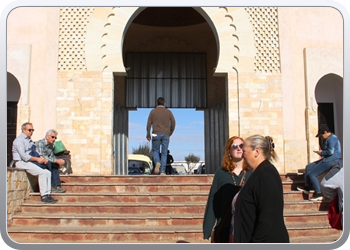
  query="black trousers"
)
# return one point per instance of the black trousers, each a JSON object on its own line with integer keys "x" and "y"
{"x": 168, "y": 169}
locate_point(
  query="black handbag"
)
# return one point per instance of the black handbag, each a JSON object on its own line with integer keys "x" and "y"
{"x": 216, "y": 232}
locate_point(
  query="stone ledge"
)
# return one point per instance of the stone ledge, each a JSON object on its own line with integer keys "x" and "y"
{"x": 19, "y": 187}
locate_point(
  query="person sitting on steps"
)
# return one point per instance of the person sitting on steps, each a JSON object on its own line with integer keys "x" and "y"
{"x": 331, "y": 155}
{"x": 21, "y": 151}
{"x": 45, "y": 147}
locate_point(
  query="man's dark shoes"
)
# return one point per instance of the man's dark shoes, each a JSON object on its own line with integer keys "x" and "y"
{"x": 48, "y": 199}
{"x": 57, "y": 189}
{"x": 305, "y": 189}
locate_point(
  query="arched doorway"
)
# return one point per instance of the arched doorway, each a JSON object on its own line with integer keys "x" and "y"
{"x": 171, "y": 52}
{"x": 13, "y": 95}
{"x": 329, "y": 97}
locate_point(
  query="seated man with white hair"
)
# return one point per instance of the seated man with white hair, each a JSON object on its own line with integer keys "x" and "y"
{"x": 45, "y": 147}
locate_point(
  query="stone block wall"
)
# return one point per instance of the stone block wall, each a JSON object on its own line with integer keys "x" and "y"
{"x": 18, "y": 189}
{"x": 85, "y": 119}
{"x": 260, "y": 109}
{"x": 295, "y": 155}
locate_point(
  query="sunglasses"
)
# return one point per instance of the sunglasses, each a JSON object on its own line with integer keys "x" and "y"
{"x": 235, "y": 146}
{"x": 53, "y": 137}
{"x": 31, "y": 130}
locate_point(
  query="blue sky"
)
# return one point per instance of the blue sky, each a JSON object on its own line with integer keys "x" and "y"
{"x": 187, "y": 138}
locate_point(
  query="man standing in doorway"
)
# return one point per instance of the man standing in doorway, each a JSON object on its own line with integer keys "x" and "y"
{"x": 163, "y": 123}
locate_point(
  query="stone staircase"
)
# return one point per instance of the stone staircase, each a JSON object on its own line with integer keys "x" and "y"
{"x": 148, "y": 209}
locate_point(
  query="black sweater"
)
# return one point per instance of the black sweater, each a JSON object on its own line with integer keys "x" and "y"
{"x": 219, "y": 202}
{"x": 259, "y": 208}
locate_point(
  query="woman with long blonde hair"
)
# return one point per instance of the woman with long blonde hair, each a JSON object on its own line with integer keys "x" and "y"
{"x": 227, "y": 181}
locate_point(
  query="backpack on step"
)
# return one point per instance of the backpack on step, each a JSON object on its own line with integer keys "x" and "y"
{"x": 334, "y": 215}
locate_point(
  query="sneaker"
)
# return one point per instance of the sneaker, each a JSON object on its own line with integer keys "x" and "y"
{"x": 305, "y": 189}
{"x": 316, "y": 197}
{"x": 156, "y": 169}
{"x": 48, "y": 199}
{"x": 162, "y": 174}
{"x": 57, "y": 189}
{"x": 53, "y": 198}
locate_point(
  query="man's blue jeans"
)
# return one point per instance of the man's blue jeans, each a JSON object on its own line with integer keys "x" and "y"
{"x": 314, "y": 169}
{"x": 55, "y": 174}
{"x": 52, "y": 167}
{"x": 160, "y": 144}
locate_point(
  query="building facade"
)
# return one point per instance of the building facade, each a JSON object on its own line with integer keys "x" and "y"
{"x": 274, "y": 71}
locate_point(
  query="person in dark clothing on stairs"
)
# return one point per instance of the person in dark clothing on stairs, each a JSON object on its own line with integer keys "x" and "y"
{"x": 227, "y": 181}
{"x": 259, "y": 205}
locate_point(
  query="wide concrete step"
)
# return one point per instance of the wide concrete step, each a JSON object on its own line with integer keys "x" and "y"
{"x": 192, "y": 179}
{"x": 151, "y": 234}
{"x": 305, "y": 205}
{"x": 95, "y": 187}
{"x": 149, "y": 209}
{"x": 140, "y": 179}
{"x": 115, "y": 207}
{"x": 107, "y": 220}
{"x": 166, "y": 207}
{"x": 126, "y": 197}
{"x": 136, "y": 187}
{"x": 142, "y": 197}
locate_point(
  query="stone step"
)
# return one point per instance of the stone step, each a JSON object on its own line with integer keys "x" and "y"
{"x": 139, "y": 198}
{"x": 142, "y": 197}
{"x": 194, "y": 178}
{"x": 135, "y": 187}
{"x": 95, "y": 187}
{"x": 305, "y": 205}
{"x": 107, "y": 220}
{"x": 302, "y": 206}
{"x": 114, "y": 207}
{"x": 151, "y": 234}
{"x": 149, "y": 209}
{"x": 141, "y": 179}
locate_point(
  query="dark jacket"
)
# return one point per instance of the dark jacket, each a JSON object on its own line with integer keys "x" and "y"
{"x": 259, "y": 208}
{"x": 219, "y": 202}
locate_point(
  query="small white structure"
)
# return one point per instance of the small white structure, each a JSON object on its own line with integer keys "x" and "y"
{"x": 189, "y": 167}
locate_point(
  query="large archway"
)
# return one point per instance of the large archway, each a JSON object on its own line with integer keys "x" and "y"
{"x": 105, "y": 46}
{"x": 172, "y": 52}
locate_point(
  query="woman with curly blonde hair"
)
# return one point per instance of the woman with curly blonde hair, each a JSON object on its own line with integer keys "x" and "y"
{"x": 227, "y": 181}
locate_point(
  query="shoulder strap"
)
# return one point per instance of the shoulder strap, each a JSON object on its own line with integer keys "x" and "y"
{"x": 243, "y": 178}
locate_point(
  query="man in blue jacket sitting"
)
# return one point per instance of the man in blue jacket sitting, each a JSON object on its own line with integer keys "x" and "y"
{"x": 331, "y": 155}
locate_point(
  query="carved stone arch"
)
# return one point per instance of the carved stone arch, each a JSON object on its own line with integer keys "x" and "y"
{"x": 104, "y": 38}
{"x": 107, "y": 26}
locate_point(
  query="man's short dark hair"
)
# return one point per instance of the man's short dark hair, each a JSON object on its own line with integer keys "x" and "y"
{"x": 160, "y": 101}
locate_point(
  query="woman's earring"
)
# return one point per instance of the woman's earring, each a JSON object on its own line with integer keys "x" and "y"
{"x": 230, "y": 157}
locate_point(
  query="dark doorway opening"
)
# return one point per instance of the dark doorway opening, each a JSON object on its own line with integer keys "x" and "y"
{"x": 325, "y": 116}
{"x": 11, "y": 128}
